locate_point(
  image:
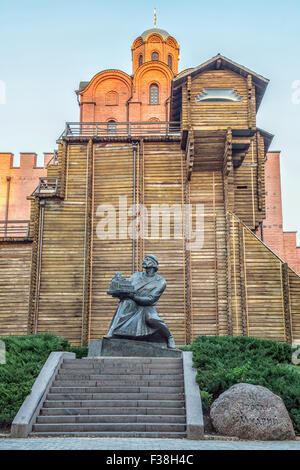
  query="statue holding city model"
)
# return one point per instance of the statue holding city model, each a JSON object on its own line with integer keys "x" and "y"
{"x": 136, "y": 316}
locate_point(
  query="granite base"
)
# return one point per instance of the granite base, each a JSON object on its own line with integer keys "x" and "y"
{"x": 115, "y": 347}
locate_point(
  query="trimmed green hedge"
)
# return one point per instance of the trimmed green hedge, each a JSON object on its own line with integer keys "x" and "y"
{"x": 25, "y": 357}
{"x": 223, "y": 361}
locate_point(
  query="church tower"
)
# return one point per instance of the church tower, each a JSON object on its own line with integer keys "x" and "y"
{"x": 155, "y": 45}
{"x": 114, "y": 96}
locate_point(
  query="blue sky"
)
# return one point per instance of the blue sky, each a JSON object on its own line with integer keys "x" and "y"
{"x": 47, "y": 48}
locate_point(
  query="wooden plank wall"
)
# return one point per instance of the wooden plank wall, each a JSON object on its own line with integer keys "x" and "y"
{"x": 262, "y": 305}
{"x": 163, "y": 172}
{"x": 62, "y": 255}
{"x": 208, "y": 265}
{"x": 294, "y": 305}
{"x": 248, "y": 292}
{"x": 249, "y": 185}
{"x": 113, "y": 177}
{"x": 14, "y": 287}
{"x": 219, "y": 115}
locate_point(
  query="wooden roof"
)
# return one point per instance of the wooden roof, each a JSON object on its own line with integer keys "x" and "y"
{"x": 222, "y": 62}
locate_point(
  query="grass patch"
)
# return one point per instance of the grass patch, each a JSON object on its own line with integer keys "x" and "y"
{"x": 223, "y": 361}
{"x": 25, "y": 357}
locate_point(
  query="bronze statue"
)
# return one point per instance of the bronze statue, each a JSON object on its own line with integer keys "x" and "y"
{"x": 136, "y": 316}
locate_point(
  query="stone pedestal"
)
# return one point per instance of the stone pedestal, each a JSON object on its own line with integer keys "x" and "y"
{"x": 115, "y": 347}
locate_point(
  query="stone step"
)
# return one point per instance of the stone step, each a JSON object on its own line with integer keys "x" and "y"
{"x": 113, "y": 382}
{"x": 115, "y": 396}
{"x": 121, "y": 371}
{"x": 71, "y": 375}
{"x": 124, "y": 360}
{"x": 179, "y": 419}
{"x": 113, "y": 403}
{"x": 112, "y": 410}
{"x": 116, "y": 389}
{"x": 149, "y": 435}
{"x": 108, "y": 427}
{"x": 120, "y": 365}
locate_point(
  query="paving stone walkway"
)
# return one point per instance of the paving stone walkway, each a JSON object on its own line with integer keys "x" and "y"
{"x": 140, "y": 444}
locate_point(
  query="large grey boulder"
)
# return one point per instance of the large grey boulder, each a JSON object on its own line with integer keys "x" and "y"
{"x": 251, "y": 412}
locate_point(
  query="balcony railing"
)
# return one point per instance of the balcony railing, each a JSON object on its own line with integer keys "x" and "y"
{"x": 127, "y": 129}
{"x": 53, "y": 160}
{"x": 46, "y": 186}
{"x": 14, "y": 228}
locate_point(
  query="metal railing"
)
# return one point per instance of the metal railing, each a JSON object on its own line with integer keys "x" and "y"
{"x": 14, "y": 228}
{"x": 46, "y": 186}
{"x": 107, "y": 129}
{"x": 53, "y": 160}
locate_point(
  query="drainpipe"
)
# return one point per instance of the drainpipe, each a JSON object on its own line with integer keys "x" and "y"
{"x": 127, "y": 103}
{"x": 8, "y": 179}
{"x": 134, "y": 206}
{"x": 166, "y": 105}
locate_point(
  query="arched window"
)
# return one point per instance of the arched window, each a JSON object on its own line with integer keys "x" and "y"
{"x": 154, "y": 94}
{"x": 111, "y": 127}
{"x": 155, "y": 56}
{"x": 170, "y": 61}
{"x": 140, "y": 60}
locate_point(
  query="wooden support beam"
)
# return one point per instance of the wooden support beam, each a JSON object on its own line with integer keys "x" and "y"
{"x": 35, "y": 214}
{"x": 87, "y": 257}
{"x": 286, "y": 301}
{"x": 242, "y": 280}
{"x": 190, "y": 154}
{"x": 62, "y": 168}
{"x": 229, "y": 275}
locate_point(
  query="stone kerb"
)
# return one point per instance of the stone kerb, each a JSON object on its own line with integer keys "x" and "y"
{"x": 25, "y": 418}
{"x": 194, "y": 414}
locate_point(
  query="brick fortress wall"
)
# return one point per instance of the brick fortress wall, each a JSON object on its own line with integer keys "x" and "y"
{"x": 282, "y": 243}
{"x": 16, "y": 183}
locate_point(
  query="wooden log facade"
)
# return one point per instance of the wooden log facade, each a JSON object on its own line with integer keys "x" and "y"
{"x": 106, "y": 214}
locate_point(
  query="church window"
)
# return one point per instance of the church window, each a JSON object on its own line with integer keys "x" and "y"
{"x": 155, "y": 56}
{"x": 170, "y": 61}
{"x": 154, "y": 94}
{"x": 140, "y": 60}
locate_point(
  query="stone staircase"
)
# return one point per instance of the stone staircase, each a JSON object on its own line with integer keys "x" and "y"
{"x": 115, "y": 397}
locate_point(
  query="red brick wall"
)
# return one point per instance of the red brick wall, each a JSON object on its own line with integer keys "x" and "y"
{"x": 282, "y": 243}
{"x": 23, "y": 180}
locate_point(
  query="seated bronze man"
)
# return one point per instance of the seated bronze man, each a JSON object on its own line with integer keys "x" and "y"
{"x": 136, "y": 316}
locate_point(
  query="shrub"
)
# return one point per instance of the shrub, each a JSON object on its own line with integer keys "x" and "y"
{"x": 25, "y": 357}
{"x": 223, "y": 361}
{"x": 206, "y": 399}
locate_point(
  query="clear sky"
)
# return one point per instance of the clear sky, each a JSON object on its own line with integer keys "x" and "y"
{"x": 48, "y": 47}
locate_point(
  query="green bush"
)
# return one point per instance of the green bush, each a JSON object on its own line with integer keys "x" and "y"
{"x": 25, "y": 357}
{"x": 206, "y": 399}
{"x": 223, "y": 361}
